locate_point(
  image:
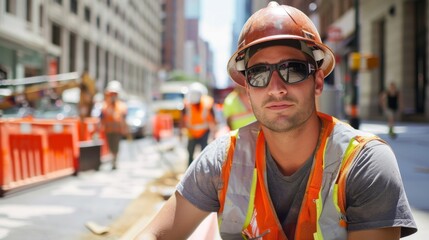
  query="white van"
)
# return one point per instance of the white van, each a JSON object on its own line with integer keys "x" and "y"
{"x": 172, "y": 96}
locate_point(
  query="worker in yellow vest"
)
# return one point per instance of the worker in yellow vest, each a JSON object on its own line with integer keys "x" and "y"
{"x": 237, "y": 110}
{"x": 113, "y": 118}
{"x": 296, "y": 173}
{"x": 198, "y": 120}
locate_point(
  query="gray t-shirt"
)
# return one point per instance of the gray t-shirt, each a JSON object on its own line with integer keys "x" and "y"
{"x": 375, "y": 194}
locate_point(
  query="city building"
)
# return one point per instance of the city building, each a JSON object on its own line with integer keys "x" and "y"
{"x": 394, "y": 35}
{"x": 112, "y": 39}
{"x": 185, "y": 52}
{"x": 173, "y": 34}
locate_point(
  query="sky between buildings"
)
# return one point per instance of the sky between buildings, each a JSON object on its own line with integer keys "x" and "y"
{"x": 216, "y": 28}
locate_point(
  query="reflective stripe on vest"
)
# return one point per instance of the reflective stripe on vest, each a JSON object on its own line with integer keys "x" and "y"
{"x": 321, "y": 215}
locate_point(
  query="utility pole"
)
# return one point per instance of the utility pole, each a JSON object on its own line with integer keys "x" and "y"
{"x": 354, "y": 120}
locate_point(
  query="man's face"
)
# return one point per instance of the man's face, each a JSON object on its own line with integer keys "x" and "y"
{"x": 113, "y": 97}
{"x": 280, "y": 106}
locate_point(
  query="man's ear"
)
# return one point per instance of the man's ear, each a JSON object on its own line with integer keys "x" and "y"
{"x": 319, "y": 79}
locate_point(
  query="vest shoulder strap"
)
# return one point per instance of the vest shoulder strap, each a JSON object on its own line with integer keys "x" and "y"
{"x": 355, "y": 146}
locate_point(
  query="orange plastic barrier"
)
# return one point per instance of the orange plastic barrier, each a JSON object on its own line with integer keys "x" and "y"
{"x": 35, "y": 150}
{"x": 163, "y": 126}
{"x": 88, "y": 127}
{"x": 27, "y": 155}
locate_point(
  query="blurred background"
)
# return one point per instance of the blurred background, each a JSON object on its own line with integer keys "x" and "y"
{"x": 58, "y": 56}
{"x": 144, "y": 44}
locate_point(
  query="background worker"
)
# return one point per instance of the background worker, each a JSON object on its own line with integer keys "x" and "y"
{"x": 295, "y": 173}
{"x": 198, "y": 118}
{"x": 236, "y": 108}
{"x": 392, "y": 104}
{"x": 113, "y": 118}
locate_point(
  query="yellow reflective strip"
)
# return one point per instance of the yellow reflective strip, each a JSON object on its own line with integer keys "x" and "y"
{"x": 335, "y": 198}
{"x": 319, "y": 205}
{"x": 219, "y": 222}
{"x": 251, "y": 200}
{"x": 352, "y": 144}
{"x": 324, "y": 154}
{"x": 316, "y": 236}
{"x": 234, "y": 132}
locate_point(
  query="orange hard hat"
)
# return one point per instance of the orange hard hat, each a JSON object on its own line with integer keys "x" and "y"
{"x": 277, "y": 23}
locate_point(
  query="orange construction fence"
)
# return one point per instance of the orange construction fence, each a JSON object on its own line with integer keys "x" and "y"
{"x": 35, "y": 150}
{"x": 163, "y": 126}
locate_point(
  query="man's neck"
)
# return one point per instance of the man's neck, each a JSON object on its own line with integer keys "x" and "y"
{"x": 290, "y": 150}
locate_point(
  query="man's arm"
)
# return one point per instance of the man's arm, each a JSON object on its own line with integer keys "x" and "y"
{"x": 390, "y": 233}
{"x": 177, "y": 219}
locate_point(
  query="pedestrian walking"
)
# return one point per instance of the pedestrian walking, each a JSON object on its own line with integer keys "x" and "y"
{"x": 236, "y": 108}
{"x": 295, "y": 173}
{"x": 198, "y": 120}
{"x": 113, "y": 118}
{"x": 391, "y": 104}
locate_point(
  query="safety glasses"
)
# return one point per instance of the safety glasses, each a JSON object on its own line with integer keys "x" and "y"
{"x": 291, "y": 71}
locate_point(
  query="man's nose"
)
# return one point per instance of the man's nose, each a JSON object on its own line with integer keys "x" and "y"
{"x": 276, "y": 84}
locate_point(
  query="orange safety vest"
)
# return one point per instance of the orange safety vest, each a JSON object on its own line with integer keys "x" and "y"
{"x": 113, "y": 117}
{"x": 198, "y": 117}
{"x": 246, "y": 207}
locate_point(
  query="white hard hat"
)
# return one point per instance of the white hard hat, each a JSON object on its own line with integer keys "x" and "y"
{"x": 114, "y": 86}
{"x": 195, "y": 92}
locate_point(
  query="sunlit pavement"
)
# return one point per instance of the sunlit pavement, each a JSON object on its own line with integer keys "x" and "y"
{"x": 59, "y": 210}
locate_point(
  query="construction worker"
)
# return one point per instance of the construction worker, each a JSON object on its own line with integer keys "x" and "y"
{"x": 198, "y": 120}
{"x": 113, "y": 118}
{"x": 236, "y": 108}
{"x": 295, "y": 173}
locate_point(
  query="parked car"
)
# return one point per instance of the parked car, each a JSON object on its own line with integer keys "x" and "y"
{"x": 139, "y": 119}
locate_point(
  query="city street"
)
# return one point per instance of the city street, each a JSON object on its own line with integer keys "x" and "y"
{"x": 114, "y": 199}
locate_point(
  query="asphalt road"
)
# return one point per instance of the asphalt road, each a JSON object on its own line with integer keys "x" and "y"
{"x": 125, "y": 199}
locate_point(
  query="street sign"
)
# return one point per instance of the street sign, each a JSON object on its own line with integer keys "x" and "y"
{"x": 335, "y": 34}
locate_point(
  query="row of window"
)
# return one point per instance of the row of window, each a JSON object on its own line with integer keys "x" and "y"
{"x": 147, "y": 51}
{"x": 143, "y": 33}
{"x": 152, "y": 40}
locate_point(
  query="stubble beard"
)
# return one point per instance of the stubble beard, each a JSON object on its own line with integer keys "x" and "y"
{"x": 281, "y": 122}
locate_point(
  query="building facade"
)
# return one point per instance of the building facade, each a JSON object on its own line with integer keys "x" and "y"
{"x": 395, "y": 32}
{"x": 112, "y": 39}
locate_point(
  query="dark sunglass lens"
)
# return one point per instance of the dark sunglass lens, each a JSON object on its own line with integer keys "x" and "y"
{"x": 293, "y": 72}
{"x": 257, "y": 76}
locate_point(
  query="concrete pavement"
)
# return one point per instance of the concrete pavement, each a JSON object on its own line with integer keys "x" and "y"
{"x": 61, "y": 209}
